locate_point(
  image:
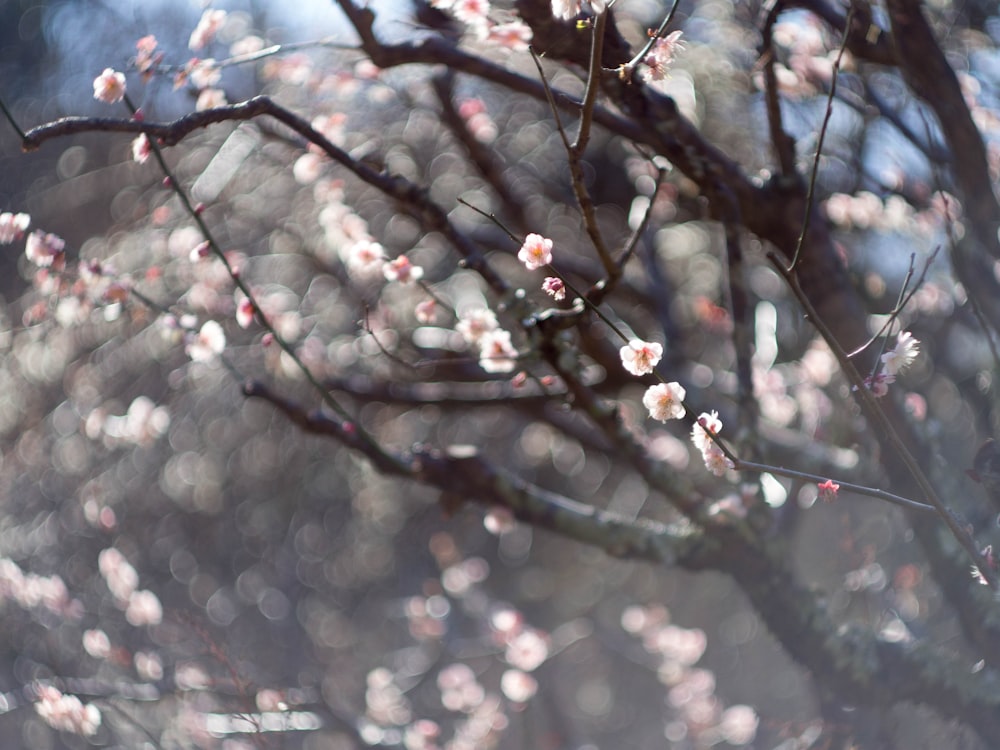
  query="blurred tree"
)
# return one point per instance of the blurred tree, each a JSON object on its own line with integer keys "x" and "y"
{"x": 708, "y": 288}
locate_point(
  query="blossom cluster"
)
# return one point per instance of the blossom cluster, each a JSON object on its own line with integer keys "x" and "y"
{"x": 479, "y": 328}
{"x": 66, "y": 712}
{"x": 657, "y": 63}
{"x": 513, "y": 35}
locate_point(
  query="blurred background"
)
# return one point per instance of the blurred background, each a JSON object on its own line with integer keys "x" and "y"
{"x": 302, "y": 591}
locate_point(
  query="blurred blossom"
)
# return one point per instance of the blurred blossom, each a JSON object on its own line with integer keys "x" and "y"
{"x": 518, "y": 686}
{"x": 661, "y": 56}
{"x": 496, "y": 353}
{"x": 425, "y": 310}
{"x": 96, "y": 643}
{"x": 664, "y": 401}
{"x": 640, "y": 357}
{"x": 210, "y": 99}
{"x": 13, "y": 227}
{"x": 141, "y": 149}
{"x": 527, "y": 651}
{"x": 498, "y": 520}
{"x": 738, "y": 725}
{"x": 422, "y": 735}
{"x": 535, "y": 252}
{"x": 148, "y": 666}
{"x": 474, "y": 324}
{"x": 205, "y": 73}
{"x": 145, "y": 59}
{"x": 207, "y": 344}
{"x": 44, "y": 250}
{"x": 271, "y": 700}
{"x": 471, "y": 12}
{"x": 566, "y": 9}
{"x": 67, "y": 713}
{"x": 365, "y": 258}
{"x": 144, "y": 608}
{"x": 244, "y": 312}
{"x": 191, "y": 676}
{"x": 109, "y": 86}
{"x": 121, "y": 578}
{"x": 514, "y": 36}
{"x": 459, "y": 688}
{"x": 208, "y": 26}
{"x": 402, "y": 270}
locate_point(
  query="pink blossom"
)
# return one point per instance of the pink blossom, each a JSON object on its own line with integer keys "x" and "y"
{"x": 97, "y": 644}
{"x": 141, "y": 149}
{"x": 145, "y": 59}
{"x": 471, "y": 12}
{"x": 828, "y": 490}
{"x": 109, "y": 86}
{"x": 527, "y": 651}
{"x": 902, "y": 355}
{"x": 711, "y": 453}
{"x": 879, "y": 384}
{"x": 514, "y": 36}
{"x": 144, "y": 608}
{"x": 496, "y": 353}
{"x": 425, "y": 311}
{"x": 474, "y": 324}
{"x": 205, "y": 73}
{"x": 244, "y": 312}
{"x": 566, "y": 9}
{"x": 210, "y": 99}
{"x": 365, "y": 258}
{"x": 208, "y": 26}
{"x": 518, "y": 686}
{"x": 402, "y": 270}
{"x": 554, "y": 287}
{"x": 67, "y": 713}
{"x": 664, "y": 401}
{"x": 640, "y": 357}
{"x": 13, "y": 227}
{"x": 207, "y": 344}
{"x": 535, "y": 252}
{"x": 661, "y": 56}
{"x": 121, "y": 578}
{"x": 44, "y": 250}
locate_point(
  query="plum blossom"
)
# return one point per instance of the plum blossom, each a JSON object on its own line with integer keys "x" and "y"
{"x": 44, "y": 250}
{"x": 554, "y": 287}
{"x": 141, "y": 149}
{"x": 365, "y": 258}
{"x": 401, "y": 269}
{"x": 518, "y": 686}
{"x": 244, "y": 312}
{"x": 144, "y": 608}
{"x": 665, "y": 401}
{"x": 425, "y": 311}
{"x": 708, "y": 425}
{"x": 535, "y": 252}
{"x": 640, "y": 357}
{"x": 109, "y": 86}
{"x": 902, "y": 355}
{"x": 208, "y": 26}
{"x": 145, "y": 59}
{"x": 514, "y": 36}
{"x": 13, "y": 226}
{"x": 474, "y": 324}
{"x": 210, "y": 99}
{"x": 566, "y": 9}
{"x": 828, "y": 490}
{"x": 879, "y": 383}
{"x": 661, "y": 56}
{"x": 67, "y": 712}
{"x": 471, "y": 12}
{"x": 207, "y": 344}
{"x": 527, "y": 651}
{"x": 496, "y": 353}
